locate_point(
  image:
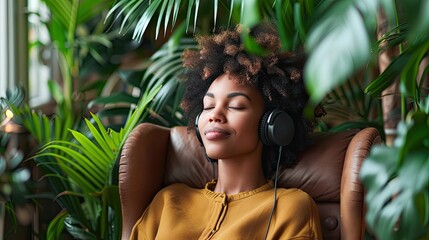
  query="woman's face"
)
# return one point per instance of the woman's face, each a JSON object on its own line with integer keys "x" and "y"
{"x": 229, "y": 123}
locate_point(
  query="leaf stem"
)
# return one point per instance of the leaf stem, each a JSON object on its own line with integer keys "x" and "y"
{"x": 71, "y": 64}
{"x": 401, "y": 49}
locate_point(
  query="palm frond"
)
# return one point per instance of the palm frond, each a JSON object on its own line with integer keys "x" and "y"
{"x": 395, "y": 68}
{"x": 91, "y": 9}
{"x": 165, "y": 69}
{"x": 137, "y": 114}
{"x": 56, "y": 226}
{"x": 142, "y": 12}
{"x": 61, "y": 10}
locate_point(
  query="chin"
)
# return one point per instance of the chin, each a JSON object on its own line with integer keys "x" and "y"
{"x": 216, "y": 153}
{"x": 222, "y": 154}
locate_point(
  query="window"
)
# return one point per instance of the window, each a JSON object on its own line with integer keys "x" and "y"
{"x": 40, "y": 58}
{"x": 21, "y": 59}
{"x": 7, "y": 41}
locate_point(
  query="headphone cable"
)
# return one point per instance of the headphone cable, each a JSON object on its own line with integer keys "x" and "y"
{"x": 275, "y": 191}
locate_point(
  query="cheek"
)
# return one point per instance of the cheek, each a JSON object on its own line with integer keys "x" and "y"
{"x": 249, "y": 130}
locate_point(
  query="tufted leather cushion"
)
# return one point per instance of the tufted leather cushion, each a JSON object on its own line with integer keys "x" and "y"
{"x": 154, "y": 157}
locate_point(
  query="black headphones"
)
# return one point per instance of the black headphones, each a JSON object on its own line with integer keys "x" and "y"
{"x": 275, "y": 129}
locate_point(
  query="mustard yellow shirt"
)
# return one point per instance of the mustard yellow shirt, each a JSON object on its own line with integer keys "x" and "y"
{"x": 181, "y": 212}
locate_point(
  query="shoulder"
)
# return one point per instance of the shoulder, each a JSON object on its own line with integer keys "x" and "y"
{"x": 176, "y": 192}
{"x": 294, "y": 194}
{"x": 298, "y": 215}
{"x": 296, "y": 201}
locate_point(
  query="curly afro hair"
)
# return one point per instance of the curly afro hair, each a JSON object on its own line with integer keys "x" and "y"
{"x": 277, "y": 75}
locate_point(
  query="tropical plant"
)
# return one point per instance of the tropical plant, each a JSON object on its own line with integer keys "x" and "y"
{"x": 339, "y": 39}
{"x": 396, "y": 208}
{"x": 82, "y": 48}
{"x": 81, "y": 170}
{"x": 163, "y": 69}
{"x": 72, "y": 40}
{"x": 397, "y": 180}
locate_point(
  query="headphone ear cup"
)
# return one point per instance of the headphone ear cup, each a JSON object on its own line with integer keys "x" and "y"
{"x": 276, "y": 128}
{"x": 263, "y": 129}
{"x": 197, "y": 130}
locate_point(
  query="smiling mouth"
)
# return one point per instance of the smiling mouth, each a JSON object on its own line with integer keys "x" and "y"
{"x": 216, "y": 133}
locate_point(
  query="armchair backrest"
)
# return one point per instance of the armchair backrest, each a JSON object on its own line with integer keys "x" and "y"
{"x": 154, "y": 157}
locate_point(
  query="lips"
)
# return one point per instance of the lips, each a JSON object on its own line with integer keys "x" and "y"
{"x": 216, "y": 133}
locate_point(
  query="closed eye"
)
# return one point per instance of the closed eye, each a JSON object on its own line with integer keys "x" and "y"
{"x": 236, "y": 108}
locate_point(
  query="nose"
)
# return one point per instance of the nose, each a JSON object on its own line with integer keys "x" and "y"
{"x": 217, "y": 115}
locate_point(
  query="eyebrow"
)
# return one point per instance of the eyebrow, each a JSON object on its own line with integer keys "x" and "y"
{"x": 230, "y": 95}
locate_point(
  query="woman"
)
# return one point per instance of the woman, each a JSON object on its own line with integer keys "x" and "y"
{"x": 228, "y": 93}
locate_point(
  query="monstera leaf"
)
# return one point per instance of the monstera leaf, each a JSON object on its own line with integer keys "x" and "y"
{"x": 397, "y": 182}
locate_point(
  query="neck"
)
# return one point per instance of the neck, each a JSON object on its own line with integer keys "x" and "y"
{"x": 239, "y": 175}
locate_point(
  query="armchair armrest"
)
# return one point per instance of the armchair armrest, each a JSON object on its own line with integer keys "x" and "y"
{"x": 352, "y": 191}
{"x": 141, "y": 171}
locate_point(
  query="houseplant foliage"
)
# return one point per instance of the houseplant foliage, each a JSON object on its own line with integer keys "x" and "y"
{"x": 339, "y": 38}
{"x": 80, "y": 170}
{"x": 398, "y": 206}
{"x": 162, "y": 69}
{"x": 78, "y": 40}
{"x": 397, "y": 181}
{"x": 83, "y": 49}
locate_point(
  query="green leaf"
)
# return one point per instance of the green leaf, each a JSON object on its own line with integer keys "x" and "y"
{"x": 111, "y": 202}
{"x": 134, "y": 118}
{"x": 283, "y": 11}
{"x": 408, "y": 84}
{"x": 2, "y": 165}
{"x": 61, "y": 10}
{"x": 189, "y": 12}
{"x": 143, "y": 23}
{"x": 375, "y": 173}
{"x": 91, "y": 147}
{"x": 421, "y": 29}
{"x": 120, "y": 97}
{"x": 396, "y": 180}
{"x": 161, "y": 13}
{"x": 112, "y": 112}
{"x": 176, "y": 11}
{"x": 405, "y": 64}
{"x": 131, "y": 77}
{"x": 56, "y": 91}
{"x": 168, "y": 14}
{"x": 412, "y": 134}
{"x": 165, "y": 94}
{"x": 298, "y": 20}
{"x": 92, "y": 9}
{"x": 75, "y": 172}
{"x": 339, "y": 45}
{"x": 77, "y": 229}
{"x": 111, "y": 146}
{"x": 56, "y": 226}
{"x": 101, "y": 138}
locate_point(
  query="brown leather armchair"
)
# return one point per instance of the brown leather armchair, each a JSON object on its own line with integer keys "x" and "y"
{"x": 154, "y": 157}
